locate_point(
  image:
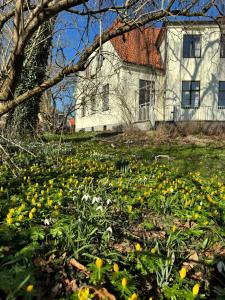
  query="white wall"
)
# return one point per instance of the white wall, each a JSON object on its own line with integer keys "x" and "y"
{"x": 209, "y": 69}
{"x": 123, "y": 82}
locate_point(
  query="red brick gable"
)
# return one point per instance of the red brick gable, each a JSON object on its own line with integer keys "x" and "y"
{"x": 139, "y": 47}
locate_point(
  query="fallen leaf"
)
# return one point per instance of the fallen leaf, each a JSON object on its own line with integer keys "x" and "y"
{"x": 104, "y": 294}
{"x": 77, "y": 265}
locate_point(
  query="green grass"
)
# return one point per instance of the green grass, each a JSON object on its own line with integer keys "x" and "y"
{"x": 83, "y": 199}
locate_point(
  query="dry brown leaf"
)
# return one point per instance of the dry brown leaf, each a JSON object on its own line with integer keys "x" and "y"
{"x": 40, "y": 262}
{"x": 79, "y": 266}
{"x": 194, "y": 256}
{"x": 71, "y": 285}
{"x": 198, "y": 276}
{"x": 104, "y": 294}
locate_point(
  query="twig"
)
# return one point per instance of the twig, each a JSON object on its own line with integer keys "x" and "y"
{"x": 17, "y": 145}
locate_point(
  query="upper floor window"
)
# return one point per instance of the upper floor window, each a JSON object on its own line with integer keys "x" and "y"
{"x": 190, "y": 94}
{"x": 221, "y": 100}
{"x": 222, "y": 46}
{"x": 192, "y": 45}
{"x": 146, "y": 92}
{"x": 105, "y": 98}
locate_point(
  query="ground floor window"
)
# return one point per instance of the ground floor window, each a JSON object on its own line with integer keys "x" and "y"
{"x": 221, "y": 99}
{"x": 146, "y": 92}
{"x": 105, "y": 98}
{"x": 83, "y": 108}
{"x": 190, "y": 94}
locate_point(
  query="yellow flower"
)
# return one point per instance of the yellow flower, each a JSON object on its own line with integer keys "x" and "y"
{"x": 124, "y": 282}
{"x": 115, "y": 268}
{"x": 39, "y": 205}
{"x": 150, "y": 298}
{"x": 20, "y": 218}
{"x": 133, "y": 297}
{"x": 33, "y": 210}
{"x": 183, "y": 272}
{"x": 29, "y": 288}
{"x": 9, "y": 220}
{"x": 129, "y": 208}
{"x": 195, "y": 289}
{"x": 99, "y": 263}
{"x": 153, "y": 250}
{"x": 174, "y": 228}
{"x": 11, "y": 211}
{"x": 30, "y": 215}
{"x": 83, "y": 293}
{"x": 138, "y": 247}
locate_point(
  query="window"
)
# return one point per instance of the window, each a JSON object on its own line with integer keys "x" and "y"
{"x": 191, "y": 45}
{"x": 222, "y": 46}
{"x": 93, "y": 105}
{"x": 146, "y": 92}
{"x": 221, "y": 102}
{"x": 105, "y": 99}
{"x": 83, "y": 108}
{"x": 190, "y": 94}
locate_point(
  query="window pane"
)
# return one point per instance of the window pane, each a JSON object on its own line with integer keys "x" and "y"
{"x": 222, "y": 46}
{"x": 194, "y": 99}
{"x": 146, "y": 92}
{"x": 195, "y": 85}
{"x": 105, "y": 104}
{"x": 191, "y": 45}
{"x": 186, "y": 85}
{"x": 186, "y": 46}
{"x": 221, "y": 99}
{"x": 222, "y": 85}
{"x": 186, "y": 99}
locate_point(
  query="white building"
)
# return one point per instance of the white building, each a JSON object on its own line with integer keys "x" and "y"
{"x": 176, "y": 73}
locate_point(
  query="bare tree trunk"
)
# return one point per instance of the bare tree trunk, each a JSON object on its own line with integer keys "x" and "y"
{"x": 23, "y": 120}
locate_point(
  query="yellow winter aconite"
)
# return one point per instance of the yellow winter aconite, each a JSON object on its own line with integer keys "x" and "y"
{"x": 99, "y": 263}
{"x": 133, "y": 297}
{"x": 174, "y": 228}
{"x": 83, "y": 293}
{"x": 153, "y": 250}
{"x": 115, "y": 268}
{"x": 183, "y": 272}
{"x": 124, "y": 282}
{"x": 138, "y": 247}
{"x": 29, "y": 288}
{"x": 195, "y": 289}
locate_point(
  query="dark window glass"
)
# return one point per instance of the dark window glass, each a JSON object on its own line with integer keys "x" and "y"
{"x": 83, "y": 108}
{"x": 146, "y": 92}
{"x": 222, "y": 46}
{"x": 93, "y": 105}
{"x": 192, "y": 45}
{"x": 221, "y": 99}
{"x": 105, "y": 99}
{"x": 190, "y": 94}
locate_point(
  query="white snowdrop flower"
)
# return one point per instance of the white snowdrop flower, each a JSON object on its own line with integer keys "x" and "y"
{"x": 86, "y": 197}
{"x": 99, "y": 208}
{"x": 108, "y": 201}
{"x": 109, "y": 229}
{"x": 96, "y": 200}
{"x": 46, "y": 222}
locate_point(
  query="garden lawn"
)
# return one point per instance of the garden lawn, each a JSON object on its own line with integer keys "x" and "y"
{"x": 84, "y": 220}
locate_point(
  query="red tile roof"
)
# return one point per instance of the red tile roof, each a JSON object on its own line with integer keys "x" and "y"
{"x": 139, "y": 47}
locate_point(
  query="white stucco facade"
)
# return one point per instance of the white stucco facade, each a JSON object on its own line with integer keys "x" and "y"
{"x": 124, "y": 78}
{"x": 208, "y": 69}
